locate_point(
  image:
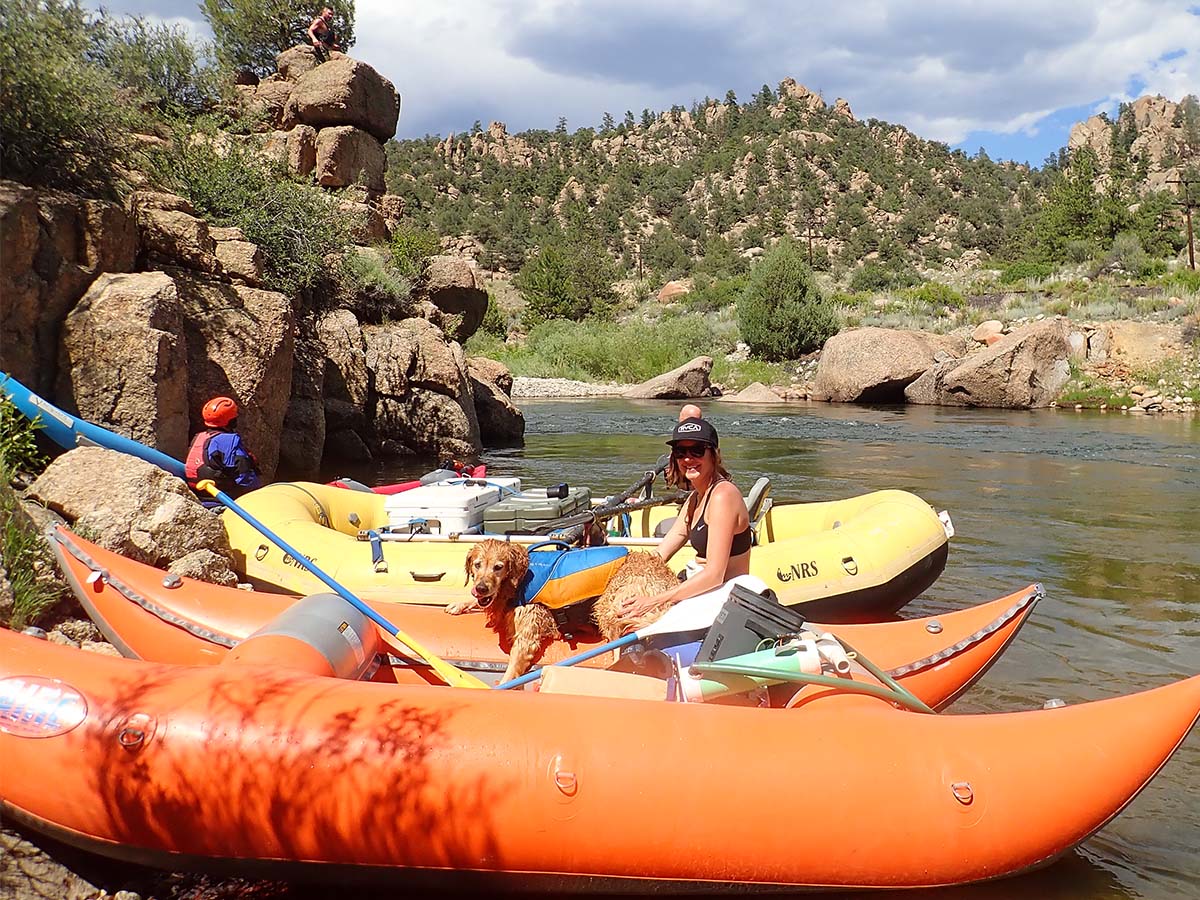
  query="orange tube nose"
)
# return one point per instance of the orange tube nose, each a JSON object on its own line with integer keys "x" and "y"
{"x": 320, "y": 634}
{"x": 280, "y": 651}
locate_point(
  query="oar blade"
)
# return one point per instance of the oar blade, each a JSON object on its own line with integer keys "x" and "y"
{"x": 452, "y": 675}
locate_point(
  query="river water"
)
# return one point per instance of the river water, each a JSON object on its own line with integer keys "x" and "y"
{"x": 1099, "y": 507}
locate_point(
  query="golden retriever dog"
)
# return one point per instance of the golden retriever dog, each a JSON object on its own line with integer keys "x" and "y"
{"x": 496, "y": 569}
{"x": 642, "y": 574}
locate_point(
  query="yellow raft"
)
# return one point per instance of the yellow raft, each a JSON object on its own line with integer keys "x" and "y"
{"x": 844, "y": 560}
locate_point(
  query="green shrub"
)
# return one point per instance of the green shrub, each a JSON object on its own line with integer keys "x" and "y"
{"x": 711, "y": 295}
{"x": 411, "y": 247}
{"x": 630, "y": 352}
{"x": 23, "y": 553}
{"x": 250, "y": 33}
{"x": 1020, "y": 271}
{"x": 366, "y": 271}
{"x": 63, "y": 120}
{"x": 736, "y": 375}
{"x": 296, "y": 225}
{"x": 782, "y": 313}
{"x": 935, "y": 294}
{"x": 18, "y": 448}
{"x": 1125, "y": 254}
{"x": 1078, "y": 250}
{"x": 872, "y": 276}
{"x": 160, "y": 63}
{"x": 1187, "y": 279}
{"x": 495, "y": 322}
{"x": 596, "y": 350}
{"x": 567, "y": 279}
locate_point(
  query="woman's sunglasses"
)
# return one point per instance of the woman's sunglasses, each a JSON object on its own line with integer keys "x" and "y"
{"x": 695, "y": 451}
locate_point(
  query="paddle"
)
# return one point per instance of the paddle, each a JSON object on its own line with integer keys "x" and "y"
{"x": 451, "y": 675}
{"x": 571, "y": 529}
{"x": 611, "y": 506}
{"x": 693, "y": 614}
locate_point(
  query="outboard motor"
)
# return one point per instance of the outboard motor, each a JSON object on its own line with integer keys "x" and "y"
{"x": 320, "y": 634}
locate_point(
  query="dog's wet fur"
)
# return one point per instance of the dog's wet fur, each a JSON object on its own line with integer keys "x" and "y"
{"x": 496, "y": 568}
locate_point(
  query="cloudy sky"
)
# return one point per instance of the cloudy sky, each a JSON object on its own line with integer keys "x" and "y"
{"x": 1010, "y": 76}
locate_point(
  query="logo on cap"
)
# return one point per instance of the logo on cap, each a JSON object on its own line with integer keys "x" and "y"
{"x": 688, "y": 428}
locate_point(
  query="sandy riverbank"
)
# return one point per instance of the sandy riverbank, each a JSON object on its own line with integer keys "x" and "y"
{"x": 541, "y": 388}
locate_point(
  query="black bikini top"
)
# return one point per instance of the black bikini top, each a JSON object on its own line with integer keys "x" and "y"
{"x": 698, "y": 536}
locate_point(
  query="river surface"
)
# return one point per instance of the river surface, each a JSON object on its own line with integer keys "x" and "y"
{"x": 1101, "y": 508}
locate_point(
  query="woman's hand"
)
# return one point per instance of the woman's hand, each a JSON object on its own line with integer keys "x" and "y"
{"x": 633, "y": 608}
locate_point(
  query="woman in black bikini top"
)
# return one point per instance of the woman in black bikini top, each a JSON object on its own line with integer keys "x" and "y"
{"x": 698, "y": 535}
{"x": 716, "y": 521}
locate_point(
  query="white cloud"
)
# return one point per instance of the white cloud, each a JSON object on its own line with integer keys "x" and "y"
{"x": 942, "y": 67}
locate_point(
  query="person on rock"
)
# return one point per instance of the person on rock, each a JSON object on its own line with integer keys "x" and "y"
{"x": 218, "y": 452}
{"x": 322, "y": 35}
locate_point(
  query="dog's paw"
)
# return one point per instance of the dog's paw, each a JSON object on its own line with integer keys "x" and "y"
{"x": 463, "y": 606}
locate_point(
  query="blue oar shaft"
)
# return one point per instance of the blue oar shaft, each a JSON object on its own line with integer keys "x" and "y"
{"x": 535, "y": 674}
{"x": 309, "y": 565}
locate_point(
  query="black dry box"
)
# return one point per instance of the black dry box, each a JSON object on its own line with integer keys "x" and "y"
{"x": 745, "y": 621}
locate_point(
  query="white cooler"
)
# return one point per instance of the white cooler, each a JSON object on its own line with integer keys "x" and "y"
{"x": 445, "y": 508}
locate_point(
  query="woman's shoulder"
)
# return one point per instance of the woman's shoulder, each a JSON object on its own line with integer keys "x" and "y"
{"x": 728, "y": 492}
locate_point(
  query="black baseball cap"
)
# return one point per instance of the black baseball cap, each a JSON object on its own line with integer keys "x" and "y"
{"x": 694, "y": 430}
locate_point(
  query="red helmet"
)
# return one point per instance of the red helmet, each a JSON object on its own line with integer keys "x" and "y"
{"x": 219, "y": 412}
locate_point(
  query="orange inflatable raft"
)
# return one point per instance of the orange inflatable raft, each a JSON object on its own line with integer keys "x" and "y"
{"x": 260, "y": 770}
{"x": 151, "y": 615}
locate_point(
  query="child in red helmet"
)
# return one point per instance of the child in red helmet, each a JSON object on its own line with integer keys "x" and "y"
{"x": 218, "y": 453}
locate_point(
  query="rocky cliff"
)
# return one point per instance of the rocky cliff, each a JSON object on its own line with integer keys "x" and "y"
{"x": 1153, "y": 138}
{"x": 133, "y": 314}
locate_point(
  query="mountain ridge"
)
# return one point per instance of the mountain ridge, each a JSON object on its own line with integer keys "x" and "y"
{"x": 658, "y": 190}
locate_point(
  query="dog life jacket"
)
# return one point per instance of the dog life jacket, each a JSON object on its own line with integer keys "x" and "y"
{"x": 562, "y": 579}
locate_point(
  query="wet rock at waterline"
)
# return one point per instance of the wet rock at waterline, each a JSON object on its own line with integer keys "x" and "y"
{"x": 691, "y": 380}
{"x": 875, "y": 365}
{"x": 1025, "y": 369}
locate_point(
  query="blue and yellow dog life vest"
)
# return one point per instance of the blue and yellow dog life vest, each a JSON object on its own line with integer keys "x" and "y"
{"x": 562, "y": 579}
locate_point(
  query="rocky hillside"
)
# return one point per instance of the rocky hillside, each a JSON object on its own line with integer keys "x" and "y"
{"x": 132, "y": 314}
{"x": 661, "y": 189}
{"x": 1153, "y": 139}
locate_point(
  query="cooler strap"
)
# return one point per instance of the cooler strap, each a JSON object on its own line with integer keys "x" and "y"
{"x": 377, "y": 559}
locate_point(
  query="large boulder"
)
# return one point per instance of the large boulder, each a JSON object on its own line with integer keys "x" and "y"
{"x": 692, "y": 379}
{"x": 345, "y": 91}
{"x": 875, "y": 365}
{"x": 423, "y": 399}
{"x": 268, "y": 104}
{"x": 172, "y": 234}
{"x": 501, "y": 423}
{"x": 347, "y": 155}
{"x": 52, "y": 246}
{"x": 452, "y": 284}
{"x": 345, "y": 352}
{"x": 129, "y": 506}
{"x": 239, "y": 344}
{"x": 1025, "y": 369}
{"x": 367, "y": 224}
{"x": 296, "y": 149}
{"x": 123, "y": 362}
{"x": 299, "y": 60}
{"x": 753, "y": 393}
{"x": 303, "y": 439}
